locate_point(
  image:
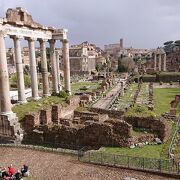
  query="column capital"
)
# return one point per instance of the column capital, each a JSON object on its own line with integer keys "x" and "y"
{"x": 65, "y": 41}
{"x": 42, "y": 40}
{"x": 30, "y": 39}
{"x": 3, "y": 33}
{"x": 57, "y": 52}
{"x": 15, "y": 37}
{"x": 52, "y": 41}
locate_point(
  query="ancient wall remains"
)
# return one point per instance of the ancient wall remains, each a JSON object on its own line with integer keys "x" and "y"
{"x": 110, "y": 113}
{"x": 161, "y": 127}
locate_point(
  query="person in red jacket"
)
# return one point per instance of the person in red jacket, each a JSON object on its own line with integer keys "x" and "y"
{"x": 11, "y": 171}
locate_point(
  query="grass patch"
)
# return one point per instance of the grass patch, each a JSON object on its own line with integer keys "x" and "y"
{"x": 162, "y": 99}
{"x": 35, "y": 106}
{"x": 138, "y": 132}
{"x": 148, "y": 151}
{"x": 92, "y": 86}
{"x": 140, "y": 111}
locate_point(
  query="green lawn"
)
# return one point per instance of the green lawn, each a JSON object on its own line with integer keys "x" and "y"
{"x": 148, "y": 151}
{"x": 162, "y": 99}
{"x": 35, "y": 106}
{"x": 76, "y": 86}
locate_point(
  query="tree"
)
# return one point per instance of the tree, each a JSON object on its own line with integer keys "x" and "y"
{"x": 121, "y": 67}
{"x": 168, "y": 43}
{"x": 126, "y": 64}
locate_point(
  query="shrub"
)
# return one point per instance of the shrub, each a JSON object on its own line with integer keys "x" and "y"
{"x": 67, "y": 99}
{"x": 63, "y": 94}
{"x": 27, "y": 81}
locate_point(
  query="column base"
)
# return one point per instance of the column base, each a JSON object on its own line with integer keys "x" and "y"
{"x": 10, "y": 130}
{"x": 46, "y": 95}
{"x": 9, "y": 113}
{"x": 36, "y": 98}
{"x": 55, "y": 92}
{"x": 22, "y": 102}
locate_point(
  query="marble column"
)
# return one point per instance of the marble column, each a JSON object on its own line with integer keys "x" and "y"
{"x": 44, "y": 68}
{"x": 67, "y": 82}
{"x": 159, "y": 62}
{"x": 19, "y": 70}
{"x": 58, "y": 71}
{"x": 5, "y": 101}
{"x": 164, "y": 62}
{"x": 55, "y": 88}
{"x": 155, "y": 61}
{"x": 33, "y": 68}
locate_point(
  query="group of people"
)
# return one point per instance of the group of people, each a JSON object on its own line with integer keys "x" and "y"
{"x": 11, "y": 174}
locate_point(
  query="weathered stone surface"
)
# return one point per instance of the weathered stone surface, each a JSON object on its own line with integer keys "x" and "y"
{"x": 20, "y": 16}
{"x": 93, "y": 134}
{"x": 158, "y": 126}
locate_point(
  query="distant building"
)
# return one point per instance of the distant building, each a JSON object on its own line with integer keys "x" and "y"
{"x": 25, "y": 58}
{"x": 118, "y": 50}
{"x": 83, "y": 58}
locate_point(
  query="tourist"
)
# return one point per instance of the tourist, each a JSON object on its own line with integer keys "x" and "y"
{"x": 24, "y": 170}
{"x": 11, "y": 171}
{"x": 18, "y": 175}
{"x": 4, "y": 173}
{"x": 0, "y": 172}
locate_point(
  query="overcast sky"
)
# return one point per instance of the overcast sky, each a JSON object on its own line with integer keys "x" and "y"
{"x": 141, "y": 23}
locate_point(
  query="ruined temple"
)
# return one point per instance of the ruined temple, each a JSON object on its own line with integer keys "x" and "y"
{"x": 18, "y": 25}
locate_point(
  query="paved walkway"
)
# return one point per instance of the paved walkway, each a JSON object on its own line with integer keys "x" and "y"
{"x": 105, "y": 101}
{"x": 50, "y": 166}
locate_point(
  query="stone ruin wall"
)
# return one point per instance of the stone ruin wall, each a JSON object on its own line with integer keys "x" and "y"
{"x": 50, "y": 115}
{"x": 20, "y": 15}
{"x": 111, "y": 113}
{"x": 82, "y": 129}
{"x": 5, "y": 128}
{"x": 174, "y": 104}
{"x": 161, "y": 127}
{"x": 85, "y": 129}
{"x": 93, "y": 129}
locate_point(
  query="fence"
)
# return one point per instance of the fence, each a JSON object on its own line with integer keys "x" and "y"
{"x": 174, "y": 138}
{"x": 137, "y": 163}
{"x": 56, "y": 148}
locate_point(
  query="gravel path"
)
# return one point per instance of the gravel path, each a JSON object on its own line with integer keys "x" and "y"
{"x": 49, "y": 166}
{"x": 105, "y": 101}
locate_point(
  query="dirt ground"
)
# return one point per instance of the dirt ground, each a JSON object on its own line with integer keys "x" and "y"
{"x": 51, "y": 166}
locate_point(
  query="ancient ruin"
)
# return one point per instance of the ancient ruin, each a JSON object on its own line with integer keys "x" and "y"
{"x": 18, "y": 25}
{"x": 160, "y": 60}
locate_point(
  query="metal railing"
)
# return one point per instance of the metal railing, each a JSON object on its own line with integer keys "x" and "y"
{"x": 136, "y": 163}
{"x": 174, "y": 139}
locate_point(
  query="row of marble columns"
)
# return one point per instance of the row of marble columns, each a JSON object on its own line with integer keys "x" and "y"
{"x": 158, "y": 60}
{"x": 5, "y": 102}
